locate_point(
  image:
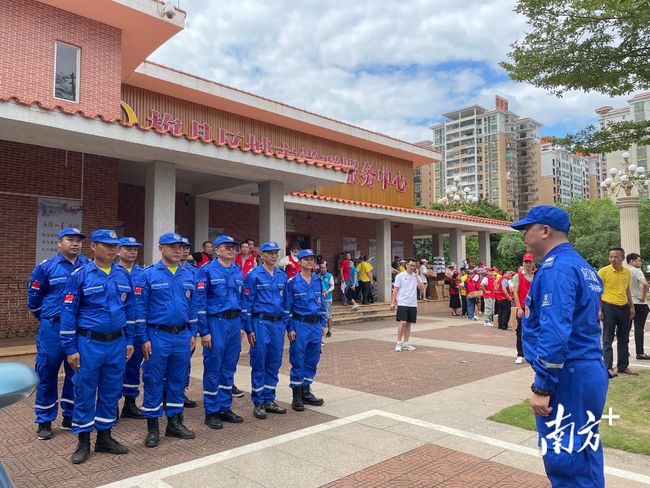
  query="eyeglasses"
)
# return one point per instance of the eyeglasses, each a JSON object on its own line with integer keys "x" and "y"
{"x": 228, "y": 247}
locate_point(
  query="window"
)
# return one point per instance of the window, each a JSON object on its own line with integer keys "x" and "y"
{"x": 66, "y": 72}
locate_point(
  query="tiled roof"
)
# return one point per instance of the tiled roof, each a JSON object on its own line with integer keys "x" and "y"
{"x": 418, "y": 211}
{"x": 111, "y": 120}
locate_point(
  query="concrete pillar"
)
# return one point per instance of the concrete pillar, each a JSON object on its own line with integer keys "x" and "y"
{"x": 437, "y": 249}
{"x": 484, "y": 248}
{"x": 159, "y": 206}
{"x": 200, "y": 221}
{"x": 456, "y": 251}
{"x": 272, "y": 221}
{"x": 383, "y": 260}
{"x": 628, "y": 208}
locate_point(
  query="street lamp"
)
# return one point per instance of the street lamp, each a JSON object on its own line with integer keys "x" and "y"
{"x": 626, "y": 179}
{"x": 455, "y": 195}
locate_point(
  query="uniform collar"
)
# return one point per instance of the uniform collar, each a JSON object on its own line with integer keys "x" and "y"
{"x": 93, "y": 267}
{"x": 59, "y": 258}
{"x": 565, "y": 246}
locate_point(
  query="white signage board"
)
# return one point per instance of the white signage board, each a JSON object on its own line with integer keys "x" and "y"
{"x": 54, "y": 214}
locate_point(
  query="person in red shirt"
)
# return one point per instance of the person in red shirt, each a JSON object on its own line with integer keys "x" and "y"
{"x": 473, "y": 286}
{"x": 504, "y": 299}
{"x": 205, "y": 256}
{"x": 245, "y": 259}
{"x": 290, "y": 263}
{"x": 454, "y": 293}
{"x": 489, "y": 296}
{"x": 520, "y": 286}
{"x": 344, "y": 275}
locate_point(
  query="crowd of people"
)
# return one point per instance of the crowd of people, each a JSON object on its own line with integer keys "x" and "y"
{"x": 111, "y": 323}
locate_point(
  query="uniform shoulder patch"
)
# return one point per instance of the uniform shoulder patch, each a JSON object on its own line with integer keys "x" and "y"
{"x": 548, "y": 262}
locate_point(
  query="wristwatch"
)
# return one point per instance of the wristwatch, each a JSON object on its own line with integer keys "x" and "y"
{"x": 537, "y": 391}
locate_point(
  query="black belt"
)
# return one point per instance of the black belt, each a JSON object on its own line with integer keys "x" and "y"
{"x": 171, "y": 330}
{"x": 312, "y": 319}
{"x": 228, "y": 314}
{"x": 100, "y": 336}
{"x": 270, "y": 318}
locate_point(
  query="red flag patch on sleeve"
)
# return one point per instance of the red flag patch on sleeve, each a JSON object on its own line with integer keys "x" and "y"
{"x": 247, "y": 291}
{"x": 138, "y": 290}
{"x": 36, "y": 285}
{"x": 69, "y": 298}
{"x": 200, "y": 285}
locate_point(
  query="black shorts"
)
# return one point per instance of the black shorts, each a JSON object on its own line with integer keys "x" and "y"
{"x": 407, "y": 314}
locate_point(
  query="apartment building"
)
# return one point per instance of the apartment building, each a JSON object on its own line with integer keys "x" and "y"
{"x": 564, "y": 176}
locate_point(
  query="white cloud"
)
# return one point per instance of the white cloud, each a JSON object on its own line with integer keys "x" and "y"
{"x": 387, "y": 65}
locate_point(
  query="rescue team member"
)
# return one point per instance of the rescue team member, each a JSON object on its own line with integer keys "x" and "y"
{"x": 561, "y": 335}
{"x": 220, "y": 334}
{"x": 44, "y": 298}
{"x": 290, "y": 263}
{"x": 520, "y": 287}
{"x": 187, "y": 246}
{"x": 266, "y": 322}
{"x": 304, "y": 301}
{"x": 97, "y": 332}
{"x": 127, "y": 253}
{"x": 168, "y": 299}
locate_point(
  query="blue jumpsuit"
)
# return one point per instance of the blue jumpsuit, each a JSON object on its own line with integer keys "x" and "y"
{"x": 166, "y": 300}
{"x": 305, "y": 300}
{"x": 195, "y": 271}
{"x": 268, "y": 319}
{"x": 561, "y": 338}
{"x": 131, "y": 386}
{"x": 44, "y": 298}
{"x": 100, "y": 303}
{"x": 223, "y": 294}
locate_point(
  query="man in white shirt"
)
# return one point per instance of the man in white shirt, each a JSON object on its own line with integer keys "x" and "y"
{"x": 405, "y": 299}
{"x": 639, "y": 290}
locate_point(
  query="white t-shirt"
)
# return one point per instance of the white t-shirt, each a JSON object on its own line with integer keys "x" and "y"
{"x": 635, "y": 285}
{"x": 423, "y": 273}
{"x": 407, "y": 296}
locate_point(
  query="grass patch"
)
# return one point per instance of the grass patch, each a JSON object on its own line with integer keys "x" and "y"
{"x": 628, "y": 396}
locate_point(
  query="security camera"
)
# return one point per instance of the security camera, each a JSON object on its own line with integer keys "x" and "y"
{"x": 167, "y": 10}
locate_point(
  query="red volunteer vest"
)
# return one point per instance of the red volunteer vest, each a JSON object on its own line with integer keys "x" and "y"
{"x": 524, "y": 287}
{"x": 489, "y": 289}
{"x": 293, "y": 268}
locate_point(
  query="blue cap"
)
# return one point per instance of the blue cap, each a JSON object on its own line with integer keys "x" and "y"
{"x": 224, "y": 240}
{"x": 129, "y": 242}
{"x": 105, "y": 236}
{"x": 305, "y": 253}
{"x": 270, "y": 246}
{"x": 170, "y": 238}
{"x": 186, "y": 242}
{"x": 547, "y": 215}
{"x": 70, "y": 231}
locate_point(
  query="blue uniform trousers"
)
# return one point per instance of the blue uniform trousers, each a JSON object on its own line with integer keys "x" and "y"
{"x": 131, "y": 386}
{"x": 166, "y": 368}
{"x": 266, "y": 359}
{"x": 49, "y": 356}
{"x": 98, "y": 383}
{"x": 304, "y": 353}
{"x": 220, "y": 363}
{"x": 582, "y": 386}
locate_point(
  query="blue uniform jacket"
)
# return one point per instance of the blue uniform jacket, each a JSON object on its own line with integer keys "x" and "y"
{"x": 135, "y": 270}
{"x": 46, "y": 285}
{"x": 97, "y": 301}
{"x": 305, "y": 298}
{"x": 224, "y": 290}
{"x": 264, "y": 294}
{"x": 163, "y": 298}
{"x": 561, "y": 320}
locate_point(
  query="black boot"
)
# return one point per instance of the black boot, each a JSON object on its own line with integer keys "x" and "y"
{"x": 309, "y": 398}
{"x": 297, "y": 404}
{"x": 105, "y": 443}
{"x": 153, "y": 433}
{"x": 187, "y": 403}
{"x": 213, "y": 421}
{"x": 44, "y": 431}
{"x": 130, "y": 409}
{"x": 272, "y": 407}
{"x": 83, "y": 448}
{"x": 66, "y": 423}
{"x": 259, "y": 411}
{"x": 175, "y": 428}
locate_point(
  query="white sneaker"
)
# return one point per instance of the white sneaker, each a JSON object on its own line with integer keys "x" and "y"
{"x": 398, "y": 347}
{"x": 355, "y": 308}
{"x": 407, "y": 347}
{"x": 488, "y": 324}
{"x": 519, "y": 360}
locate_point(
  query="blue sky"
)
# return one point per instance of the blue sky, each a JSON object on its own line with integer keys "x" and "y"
{"x": 386, "y": 65}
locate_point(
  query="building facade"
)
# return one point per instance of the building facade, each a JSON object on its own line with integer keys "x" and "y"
{"x": 564, "y": 176}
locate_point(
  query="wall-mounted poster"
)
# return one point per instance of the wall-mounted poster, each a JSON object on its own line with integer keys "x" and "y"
{"x": 54, "y": 214}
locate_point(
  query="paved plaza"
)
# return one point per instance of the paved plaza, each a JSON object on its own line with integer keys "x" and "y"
{"x": 412, "y": 419}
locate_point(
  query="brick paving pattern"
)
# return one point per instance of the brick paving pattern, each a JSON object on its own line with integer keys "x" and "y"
{"x": 431, "y": 465}
{"x": 35, "y": 464}
{"x": 374, "y": 367}
{"x": 475, "y": 333}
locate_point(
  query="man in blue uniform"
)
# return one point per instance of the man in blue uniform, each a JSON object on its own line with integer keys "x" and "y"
{"x": 97, "y": 327}
{"x": 220, "y": 336}
{"x": 561, "y": 335}
{"x": 44, "y": 298}
{"x": 127, "y": 253}
{"x": 187, "y": 247}
{"x": 305, "y": 302}
{"x": 266, "y": 322}
{"x": 167, "y": 302}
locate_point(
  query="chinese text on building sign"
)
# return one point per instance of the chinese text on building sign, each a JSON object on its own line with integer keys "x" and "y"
{"x": 365, "y": 173}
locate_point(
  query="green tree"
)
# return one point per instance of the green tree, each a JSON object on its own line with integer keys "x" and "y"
{"x": 510, "y": 251}
{"x": 587, "y": 45}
